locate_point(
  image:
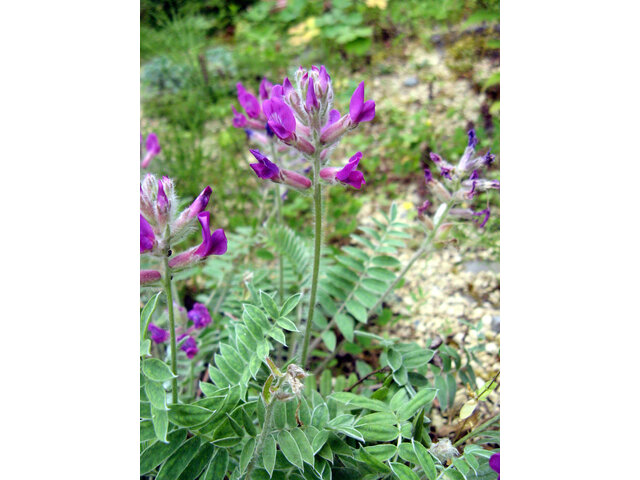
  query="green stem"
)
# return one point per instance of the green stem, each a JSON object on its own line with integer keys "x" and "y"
{"x": 317, "y": 205}
{"x": 172, "y": 330}
{"x": 266, "y": 427}
{"x": 478, "y": 429}
{"x": 280, "y": 257}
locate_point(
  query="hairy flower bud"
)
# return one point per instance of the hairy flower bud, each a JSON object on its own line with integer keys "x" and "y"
{"x": 296, "y": 180}
{"x": 444, "y": 450}
{"x": 149, "y": 276}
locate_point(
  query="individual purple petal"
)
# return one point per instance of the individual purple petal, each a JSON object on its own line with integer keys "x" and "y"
{"x": 349, "y": 175}
{"x": 153, "y": 145}
{"x": 217, "y": 243}
{"x": 334, "y": 116}
{"x": 359, "y": 110}
{"x": 212, "y": 243}
{"x": 199, "y": 315}
{"x": 265, "y": 88}
{"x": 200, "y": 203}
{"x": 324, "y": 79}
{"x": 239, "y": 120}
{"x": 494, "y": 463}
{"x": 162, "y": 200}
{"x": 474, "y": 175}
{"x": 473, "y": 140}
{"x": 147, "y": 238}
{"x": 189, "y": 345}
{"x": 424, "y": 207}
{"x": 265, "y": 168}
{"x": 280, "y": 118}
{"x": 158, "y": 335}
{"x": 248, "y": 102}
{"x": 488, "y": 158}
{"x": 312, "y": 100}
{"x": 276, "y": 92}
{"x": 486, "y": 213}
{"x": 287, "y": 87}
{"x": 428, "y": 176}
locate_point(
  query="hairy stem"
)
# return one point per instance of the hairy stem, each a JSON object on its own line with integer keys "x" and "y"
{"x": 266, "y": 427}
{"x": 172, "y": 330}
{"x": 317, "y": 205}
{"x": 280, "y": 257}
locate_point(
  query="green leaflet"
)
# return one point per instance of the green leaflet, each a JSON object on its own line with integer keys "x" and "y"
{"x": 402, "y": 472}
{"x": 156, "y": 453}
{"x": 156, "y": 370}
{"x": 178, "y": 461}
{"x": 290, "y": 449}
{"x": 199, "y": 462}
{"x": 420, "y": 400}
{"x": 425, "y": 460}
{"x": 269, "y": 454}
{"x": 217, "y": 468}
{"x": 188, "y": 415}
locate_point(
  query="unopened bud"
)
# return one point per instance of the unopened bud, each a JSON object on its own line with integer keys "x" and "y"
{"x": 149, "y": 276}
{"x": 295, "y": 180}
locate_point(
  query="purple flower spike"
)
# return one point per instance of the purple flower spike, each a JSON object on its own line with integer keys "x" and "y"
{"x": 212, "y": 243}
{"x": 494, "y": 463}
{"x": 147, "y": 238}
{"x": 153, "y": 149}
{"x": 239, "y": 120}
{"x": 199, "y": 315}
{"x": 359, "y": 110}
{"x": 265, "y": 88}
{"x": 265, "y": 168}
{"x": 158, "y": 335}
{"x": 248, "y": 102}
{"x": 189, "y": 345}
{"x": 312, "y": 100}
{"x": 486, "y": 213}
{"x": 280, "y": 118}
{"x": 350, "y": 175}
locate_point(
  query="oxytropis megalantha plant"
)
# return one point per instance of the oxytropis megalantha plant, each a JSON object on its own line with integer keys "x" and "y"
{"x": 161, "y": 229}
{"x": 301, "y": 116}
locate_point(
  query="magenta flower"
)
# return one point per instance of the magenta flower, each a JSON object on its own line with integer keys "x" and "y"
{"x": 239, "y": 120}
{"x": 424, "y": 207}
{"x": 280, "y": 118}
{"x": 212, "y": 243}
{"x": 334, "y": 116}
{"x": 149, "y": 276}
{"x": 153, "y": 149}
{"x": 147, "y": 238}
{"x": 494, "y": 463}
{"x": 265, "y": 89}
{"x": 199, "y": 315}
{"x": 312, "y": 100}
{"x": 197, "y": 207}
{"x": 265, "y": 168}
{"x": 359, "y": 110}
{"x": 248, "y": 102}
{"x": 158, "y": 335}
{"x": 189, "y": 345}
{"x": 445, "y": 168}
{"x": 349, "y": 174}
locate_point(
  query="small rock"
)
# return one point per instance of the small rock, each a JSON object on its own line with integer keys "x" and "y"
{"x": 476, "y": 266}
{"x": 410, "y": 82}
{"x": 495, "y": 324}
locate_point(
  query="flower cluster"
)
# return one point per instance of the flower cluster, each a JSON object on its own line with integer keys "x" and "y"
{"x": 161, "y": 226}
{"x": 152, "y": 146}
{"x": 464, "y": 180}
{"x": 303, "y": 119}
{"x": 199, "y": 317}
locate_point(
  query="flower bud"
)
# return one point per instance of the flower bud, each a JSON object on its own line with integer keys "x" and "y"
{"x": 149, "y": 276}
{"x": 296, "y": 180}
{"x": 443, "y": 450}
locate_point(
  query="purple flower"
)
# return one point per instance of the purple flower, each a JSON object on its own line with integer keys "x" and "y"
{"x": 248, "y": 102}
{"x": 481, "y": 213}
{"x": 189, "y": 345}
{"x": 147, "y": 238}
{"x": 265, "y": 168}
{"x": 494, "y": 463}
{"x": 445, "y": 168}
{"x": 359, "y": 110}
{"x": 428, "y": 176}
{"x": 153, "y": 149}
{"x": 265, "y": 88}
{"x": 349, "y": 174}
{"x": 158, "y": 335}
{"x": 334, "y": 116}
{"x": 287, "y": 87}
{"x": 197, "y": 207}
{"x": 488, "y": 158}
{"x": 149, "y": 276}
{"x": 466, "y": 163}
{"x": 212, "y": 243}
{"x": 312, "y": 100}
{"x": 199, "y": 315}
{"x": 280, "y": 118}
{"x": 323, "y": 78}
{"x": 162, "y": 200}
{"x": 423, "y": 208}
{"x": 473, "y": 140}
{"x": 239, "y": 120}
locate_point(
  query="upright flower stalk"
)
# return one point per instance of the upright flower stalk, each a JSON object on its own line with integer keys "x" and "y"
{"x": 302, "y": 118}
{"x": 161, "y": 227}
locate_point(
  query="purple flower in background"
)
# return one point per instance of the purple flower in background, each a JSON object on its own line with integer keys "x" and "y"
{"x": 428, "y": 176}
{"x": 349, "y": 174}
{"x": 423, "y": 208}
{"x": 280, "y": 118}
{"x": 494, "y": 463}
{"x": 488, "y": 158}
{"x": 486, "y": 213}
{"x": 445, "y": 168}
{"x": 147, "y": 238}
{"x": 359, "y": 110}
{"x": 466, "y": 163}
{"x": 153, "y": 149}
{"x": 265, "y": 168}
{"x": 312, "y": 100}
{"x": 199, "y": 315}
{"x": 149, "y": 276}
{"x": 248, "y": 102}
{"x": 239, "y": 120}
{"x": 189, "y": 345}
{"x": 265, "y": 88}
{"x": 158, "y": 335}
{"x": 473, "y": 140}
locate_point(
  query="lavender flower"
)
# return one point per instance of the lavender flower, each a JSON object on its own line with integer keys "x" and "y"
{"x": 147, "y": 237}
{"x": 347, "y": 175}
{"x": 212, "y": 244}
{"x": 189, "y": 345}
{"x": 239, "y": 120}
{"x": 158, "y": 335}
{"x": 265, "y": 89}
{"x": 153, "y": 148}
{"x": 494, "y": 463}
{"x": 445, "y": 168}
{"x": 248, "y": 102}
{"x": 466, "y": 163}
{"x": 149, "y": 276}
{"x": 280, "y": 118}
{"x": 424, "y": 207}
{"x": 265, "y": 168}
{"x": 482, "y": 213}
{"x": 199, "y": 315}
{"x": 359, "y": 110}
{"x": 197, "y": 207}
